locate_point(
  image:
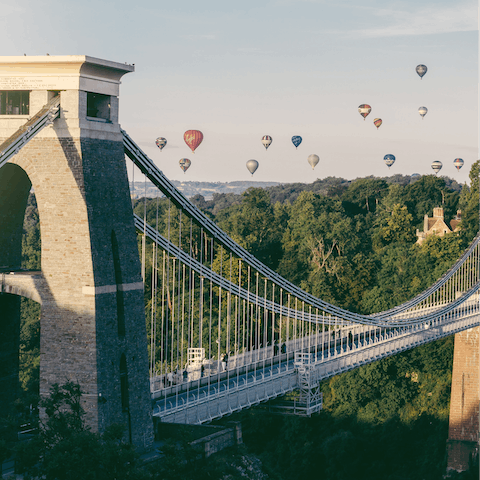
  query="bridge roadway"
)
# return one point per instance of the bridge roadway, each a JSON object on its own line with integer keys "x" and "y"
{"x": 204, "y": 399}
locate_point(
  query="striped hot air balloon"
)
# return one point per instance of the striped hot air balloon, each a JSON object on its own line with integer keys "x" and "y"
{"x": 364, "y": 110}
{"x": 458, "y": 162}
{"x": 193, "y": 138}
{"x": 185, "y": 164}
{"x": 267, "y": 141}
{"x": 377, "y": 122}
{"x": 437, "y": 166}
{"x": 422, "y": 111}
{"x": 160, "y": 142}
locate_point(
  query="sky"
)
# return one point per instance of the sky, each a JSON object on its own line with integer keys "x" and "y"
{"x": 241, "y": 70}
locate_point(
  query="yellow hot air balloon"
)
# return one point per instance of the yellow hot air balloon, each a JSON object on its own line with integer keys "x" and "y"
{"x": 313, "y": 160}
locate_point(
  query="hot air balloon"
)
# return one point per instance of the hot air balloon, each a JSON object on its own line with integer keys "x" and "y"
{"x": 436, "y": 166}
{"x": 415, "y": 176}
{"x": 458, "y": 162}
{"x": 389, "y": 160}
{"x": 296, "y": 140}
{"x": 313, "y": 160}
{"x": 377, "y": 122}
{"x": 422, "y": 111}
{"x": 252, "y": 166}
{"x": 421, "y": 70}
{"x": 364, "y": 110}
{"x": 193, "y": 138}
{"x": 185, "y": 164}
{"x": 266, "y": 140}
{"x": 160, "y": 142}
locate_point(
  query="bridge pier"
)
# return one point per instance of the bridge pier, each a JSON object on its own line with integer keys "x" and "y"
{"x": 92, "y": 320}
{"x": 463, "y": 434}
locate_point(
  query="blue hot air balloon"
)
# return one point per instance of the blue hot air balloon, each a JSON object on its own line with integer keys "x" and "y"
{"x": 421, "y": 70}
{"x": 296, "y": 140}
{"x": 389, "y": 160}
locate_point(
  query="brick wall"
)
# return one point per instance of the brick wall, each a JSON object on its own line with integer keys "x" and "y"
{"x": 82, "y": 194}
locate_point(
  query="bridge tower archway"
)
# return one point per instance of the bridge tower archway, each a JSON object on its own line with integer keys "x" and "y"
{"x": 14, "y": 190}
{"x": 77, "y": 169}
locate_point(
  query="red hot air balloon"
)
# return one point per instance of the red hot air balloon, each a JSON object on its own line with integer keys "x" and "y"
{"x": 193, "y": 138}
{"x": 377, "y": 122}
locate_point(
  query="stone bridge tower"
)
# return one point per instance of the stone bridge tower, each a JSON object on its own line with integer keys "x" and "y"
{"x": 462, "y": 444}
{"x": 92, "y": 326}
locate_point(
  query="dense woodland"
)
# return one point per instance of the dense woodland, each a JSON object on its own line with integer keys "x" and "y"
{"x": 352, "y": 243}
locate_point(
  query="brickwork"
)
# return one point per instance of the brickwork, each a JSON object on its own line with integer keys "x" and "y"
{"x": 464, "y": 412}
{"x": 82, "y": 194}
{"x": 77, "y": 169}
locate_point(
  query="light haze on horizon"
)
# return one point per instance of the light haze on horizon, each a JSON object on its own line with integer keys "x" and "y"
{"x": 241, "y": 70}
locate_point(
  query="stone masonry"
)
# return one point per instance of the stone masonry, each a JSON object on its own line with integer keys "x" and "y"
{"x": 92, "y": 308}
{"x": 462, "y": 444}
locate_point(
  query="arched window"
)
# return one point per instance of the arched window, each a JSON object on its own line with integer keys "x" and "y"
{"x": 119, "y": 282}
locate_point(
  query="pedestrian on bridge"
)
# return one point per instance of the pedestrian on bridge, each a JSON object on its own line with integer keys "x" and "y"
{"x": 224, "y": 363}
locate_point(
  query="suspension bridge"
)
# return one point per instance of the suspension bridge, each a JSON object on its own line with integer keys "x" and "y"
{"x": 226, "y": 332}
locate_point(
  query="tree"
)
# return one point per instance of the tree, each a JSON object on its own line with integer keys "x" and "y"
{"x": 398, "y": 227}
{"x": 469, "y": 206}
{"x": 253, "y": 225}
{"x": 66, "y": 449}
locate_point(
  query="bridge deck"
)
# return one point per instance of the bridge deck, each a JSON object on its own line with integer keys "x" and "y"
{"x": 204, "y": 399}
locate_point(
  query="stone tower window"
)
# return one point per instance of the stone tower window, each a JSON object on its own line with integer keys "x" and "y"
{"x": 98, "y": 106}
{"x": 14, "y": 102}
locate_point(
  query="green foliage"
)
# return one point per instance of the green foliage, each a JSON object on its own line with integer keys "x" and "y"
{"x": 253, "y": 224}
{"x": 469, "y": 204}
{"x": 66, "y": 449}
{"x": 350, "y": 243}
{"x": 386, "y": 421}
{"x": 31, "y": 245}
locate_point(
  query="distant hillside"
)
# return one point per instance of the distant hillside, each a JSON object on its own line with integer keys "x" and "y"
{"x": 205, "y": 189}
{"x": 329, "y": 186}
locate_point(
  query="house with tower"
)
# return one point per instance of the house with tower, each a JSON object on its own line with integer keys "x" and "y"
{"x": 436, "y": 225}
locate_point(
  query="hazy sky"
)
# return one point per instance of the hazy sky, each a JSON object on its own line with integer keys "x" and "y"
{"x": 241, "y": 70}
